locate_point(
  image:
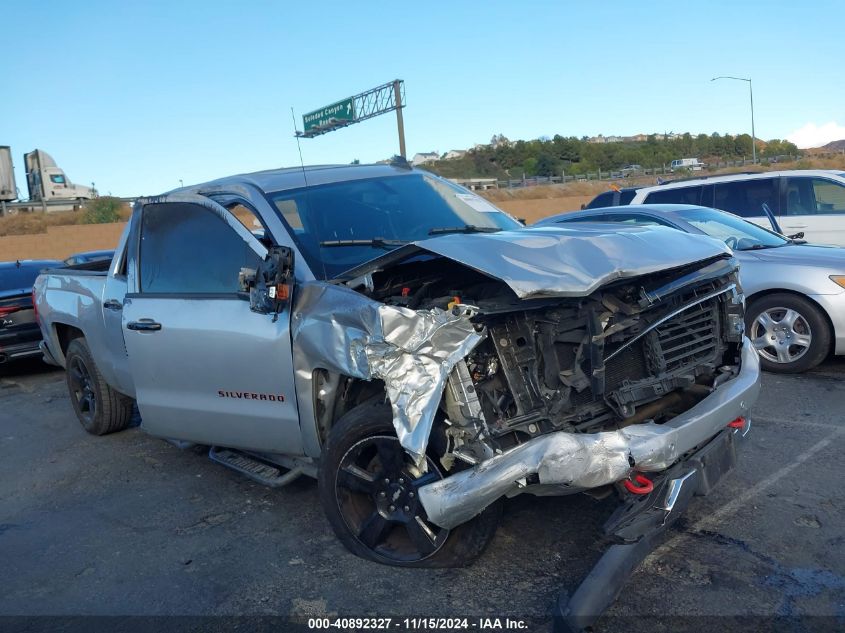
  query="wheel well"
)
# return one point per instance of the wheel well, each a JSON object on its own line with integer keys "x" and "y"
{"x": 335, "y": 394}
{"x": 774, "y": 291}
{"x": 65, "y": 334}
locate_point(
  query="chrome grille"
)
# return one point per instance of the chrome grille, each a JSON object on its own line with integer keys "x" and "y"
{"x": 689, "y": 338}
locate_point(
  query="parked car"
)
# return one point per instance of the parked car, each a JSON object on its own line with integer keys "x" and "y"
{"x": 692, "y": 164}
{"x": 418, "y": 351}
{"x": 612, "y": 198}
{"x": 88, "y": 256}
{"x": 19, "y": 332}
{"x": 630, "y": 170}
{"x": 795, "y": 292}
{"x": 808, "y": 201}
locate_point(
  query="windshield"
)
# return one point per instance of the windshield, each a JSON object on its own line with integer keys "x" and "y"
{"x": 734, "y": 231}
{"x": 390, "y": 211}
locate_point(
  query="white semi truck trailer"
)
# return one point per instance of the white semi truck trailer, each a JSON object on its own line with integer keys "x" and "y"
{"x": 8, "y": 191}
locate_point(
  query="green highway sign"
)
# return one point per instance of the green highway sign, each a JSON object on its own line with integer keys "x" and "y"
{"x": 342, "y": 111}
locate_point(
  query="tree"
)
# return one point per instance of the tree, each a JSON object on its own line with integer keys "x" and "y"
{"x": 547, "y": 165}
{"x": 777, "y": 147}
{"x": 102, "y": 210}
{"x": 529, "y": 166}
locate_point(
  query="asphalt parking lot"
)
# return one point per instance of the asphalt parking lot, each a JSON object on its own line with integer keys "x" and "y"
{"x": 131, "y": 525}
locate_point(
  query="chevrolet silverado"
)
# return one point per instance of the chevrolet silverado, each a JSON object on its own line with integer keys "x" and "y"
{"x": 419, "y": 352}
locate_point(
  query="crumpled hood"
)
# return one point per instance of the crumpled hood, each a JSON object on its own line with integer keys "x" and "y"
{"x": 573, "y": 261}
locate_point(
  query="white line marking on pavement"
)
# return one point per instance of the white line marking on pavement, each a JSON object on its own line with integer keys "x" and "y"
{"x": 757, "y": 419}
{"x": 713, "y": 519}
{"x": 737, "y": 502}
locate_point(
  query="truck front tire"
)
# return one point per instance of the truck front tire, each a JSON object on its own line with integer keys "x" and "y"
{"x": 99, "y": 408}
{"x": 367, "y": 485}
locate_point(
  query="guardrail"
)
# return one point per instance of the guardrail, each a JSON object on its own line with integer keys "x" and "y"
{"x": 45, "y": 206}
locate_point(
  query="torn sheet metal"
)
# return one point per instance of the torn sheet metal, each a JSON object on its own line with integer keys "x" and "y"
{"x": 338, "y": 329}
{"x": 580, "y": 461}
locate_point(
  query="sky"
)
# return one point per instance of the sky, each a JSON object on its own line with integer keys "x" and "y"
{"x": 138, "y": 96}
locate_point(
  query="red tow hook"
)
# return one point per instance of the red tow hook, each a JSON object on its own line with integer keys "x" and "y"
{"x": 739, "y": 423}
{"x": 643, "y": 486}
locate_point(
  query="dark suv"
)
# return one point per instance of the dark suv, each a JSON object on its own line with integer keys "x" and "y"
{"x": 19, "y": 332}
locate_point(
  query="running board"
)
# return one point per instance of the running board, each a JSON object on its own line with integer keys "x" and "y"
{"x": 254, "y": 468}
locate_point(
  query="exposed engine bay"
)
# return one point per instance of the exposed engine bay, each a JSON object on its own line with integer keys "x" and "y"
{"x": 636, "y": 350}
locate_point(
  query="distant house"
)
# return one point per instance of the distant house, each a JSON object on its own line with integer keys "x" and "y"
{"x": 455, "y": 153}
{"x": 424, "y": 157}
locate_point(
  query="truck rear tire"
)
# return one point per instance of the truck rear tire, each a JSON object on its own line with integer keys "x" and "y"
{"x": 99, "y": 408}
{"x": 367, "y": 487}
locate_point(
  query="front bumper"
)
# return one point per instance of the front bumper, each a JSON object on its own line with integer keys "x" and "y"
{"x": 638, "y": 526}
{"x": 590, "y": 460}
{"x": 834, "y": 307}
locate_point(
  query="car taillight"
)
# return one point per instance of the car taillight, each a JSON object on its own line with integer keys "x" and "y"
{"x": 35, "y": 308}
{"x": 6, "y": 310}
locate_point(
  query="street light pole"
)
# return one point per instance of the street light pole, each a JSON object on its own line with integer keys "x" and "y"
{"x": 751, "y": 95}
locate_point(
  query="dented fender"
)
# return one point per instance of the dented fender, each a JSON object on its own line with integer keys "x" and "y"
{"x": 412, "y": 351}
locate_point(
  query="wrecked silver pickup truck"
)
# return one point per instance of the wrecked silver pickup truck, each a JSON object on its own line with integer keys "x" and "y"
{"x": 417, "y": 350}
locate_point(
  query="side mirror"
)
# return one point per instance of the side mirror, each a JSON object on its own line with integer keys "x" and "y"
{"x": 269, "y": 287}
{"x": 796, "y": 236}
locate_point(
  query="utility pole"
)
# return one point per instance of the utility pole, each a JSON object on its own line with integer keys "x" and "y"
{"x": 751, "y": 95}
{"x": 400, "y": 124}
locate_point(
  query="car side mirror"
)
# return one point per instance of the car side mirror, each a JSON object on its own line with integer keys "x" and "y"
{"x": 269, "y": 287}
{"x": 796, "y": 236}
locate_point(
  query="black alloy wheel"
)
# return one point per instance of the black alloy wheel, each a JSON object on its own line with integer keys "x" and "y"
{"x": 376, "y": 488}
{"x": 82, "y": 389}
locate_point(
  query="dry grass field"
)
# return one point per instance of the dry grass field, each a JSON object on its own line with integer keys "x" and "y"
{"x": 37, "y": 222}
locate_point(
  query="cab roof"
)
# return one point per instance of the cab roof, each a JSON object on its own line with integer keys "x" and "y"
{"x": 287, "y": 178}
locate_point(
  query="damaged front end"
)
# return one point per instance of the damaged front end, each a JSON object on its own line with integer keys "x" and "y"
{"x": 516, "y": 378}
{"x": 545, "y": 393}
{"x": 583, "y": 393}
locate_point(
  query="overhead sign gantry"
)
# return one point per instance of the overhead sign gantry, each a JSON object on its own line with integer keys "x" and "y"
{"x": 379, "y": 100}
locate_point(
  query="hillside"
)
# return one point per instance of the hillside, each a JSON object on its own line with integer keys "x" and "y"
{"x": 835, "y": 146}
{"x": 504, "y": 159}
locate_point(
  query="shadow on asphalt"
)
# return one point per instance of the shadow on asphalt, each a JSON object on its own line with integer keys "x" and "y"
{"x": 27, "y": 367}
